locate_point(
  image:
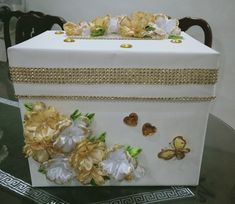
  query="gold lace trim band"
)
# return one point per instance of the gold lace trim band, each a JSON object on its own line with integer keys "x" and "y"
{"x": 113, "y": 76}
{"x": 109, "y": 38}
{"x": 123, "y": 98}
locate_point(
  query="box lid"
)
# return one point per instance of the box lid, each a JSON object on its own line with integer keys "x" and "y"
{"x": 50, "y": 50}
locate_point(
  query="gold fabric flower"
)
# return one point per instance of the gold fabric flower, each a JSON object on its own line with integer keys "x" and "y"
{"x": 101, "y": 21}
{"x": 99, "y": 25}
{"x": 86, "y": 176}
{"x": 41, "y": 126}
{"x": 85, "y": 159}
{"x": 135, "y": 25}
{"x": 144, "y": 16}
{"x": 72, "y": 29}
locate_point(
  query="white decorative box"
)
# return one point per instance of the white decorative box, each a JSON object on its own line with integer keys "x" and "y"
{"x": 169, "y": 85}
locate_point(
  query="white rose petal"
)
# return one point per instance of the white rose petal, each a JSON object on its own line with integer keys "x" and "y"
{"x": 113, "y": 25}
{"x": 167, "y": 25}
{"x": 117, "y": 165}
{"x": 73, "y": 134}
{"x": 58, "y": 170}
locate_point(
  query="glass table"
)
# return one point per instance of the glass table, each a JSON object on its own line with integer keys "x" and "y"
{"x": 217, "y": 182}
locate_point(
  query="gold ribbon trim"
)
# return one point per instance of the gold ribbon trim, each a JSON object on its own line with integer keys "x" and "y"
{"x": 113, "y": 76}
{"x": 110, "y": 38}
{"x": 122, "y": 98}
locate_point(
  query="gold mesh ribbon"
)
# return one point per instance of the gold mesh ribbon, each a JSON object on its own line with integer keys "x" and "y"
{"x": 113, "y": 76}
{"x": 122, "y": 98}
{"x": 110, "y": 38}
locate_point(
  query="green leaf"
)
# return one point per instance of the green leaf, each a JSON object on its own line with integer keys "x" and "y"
{"x": 93, "y": 183}
{"x": 147, "y": 37}
{"x": 42, "y": 169}
{"x": 75, "y": 115}
{"x": 102, "y": 137}
{"x": 90, "y": 116}
{"x": 133, "y": 151}
{"x": 175, "y": 37}
{"x": 98, "y": 32}
{"x": 106, "y": 178}
{"x": 149, "y": 28}
{"x": 75, "y": 112}
{"x": 92, "y": 138}
{"x": 28, "y": 107}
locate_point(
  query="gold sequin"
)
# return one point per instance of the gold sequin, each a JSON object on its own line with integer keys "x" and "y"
{"x": 59, "y": 32}
{"x": 148, "y": 76}
{"x": 69, "y": 39}
{"x": 122, "y": 98}
{"x": 126, "y": 45}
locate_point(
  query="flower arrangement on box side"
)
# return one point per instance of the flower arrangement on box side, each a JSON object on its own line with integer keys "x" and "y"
{"x": 137, "y": 25}
{"x": 67, "y": 150}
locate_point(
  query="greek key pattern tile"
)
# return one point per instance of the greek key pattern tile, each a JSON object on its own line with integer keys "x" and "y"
{"x": 172, "y": 193}
{"x": 26, "y": 190}
{"x": 9, "y": 102}
{"x": 39, "y": 196}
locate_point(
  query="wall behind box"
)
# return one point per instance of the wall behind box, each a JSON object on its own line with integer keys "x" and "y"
{"x": 219, "y": 14}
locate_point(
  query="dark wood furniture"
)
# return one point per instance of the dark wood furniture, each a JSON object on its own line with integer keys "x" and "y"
{"x": 27, "y": 25}
{"x": 187, "y": 22}
{"x": 33, "y": 23}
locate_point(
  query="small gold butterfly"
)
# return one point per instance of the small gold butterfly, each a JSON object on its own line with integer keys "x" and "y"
{"x": 177, "y": 150}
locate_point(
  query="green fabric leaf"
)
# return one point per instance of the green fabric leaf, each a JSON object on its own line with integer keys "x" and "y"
{"x": 102, "y": 137}
{"x": 106, "y": 178}
{"x": 133, "y": 151}
{"x": 92, "y": 138}
{"x": 175, "y": 37}
{"x": 98, "y": 32}
{"x": 75, "y": 115}
{"x": 149, "y": 28}
{"x": 93, "y": 183}
{"x": 28, "y": 106}
{"x": 42, "y": 169}
{"x": 90, "y": 116}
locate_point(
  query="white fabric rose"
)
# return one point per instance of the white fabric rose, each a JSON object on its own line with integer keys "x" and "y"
{"x": 170, "y": 26}
{"x": 113, "y": 25}
{"x": 58, "y": 170}
{"x": 85, "y": 28}
{"x": 117, "y": 165}
{"x": 73, "y": 134}
{"x": 157, "y": 33}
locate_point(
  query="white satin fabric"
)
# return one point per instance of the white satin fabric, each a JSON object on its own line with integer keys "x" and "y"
{"x": 58, "y": 170}
{"x": 73, "y": 134}
{"x": 120, "y": 165}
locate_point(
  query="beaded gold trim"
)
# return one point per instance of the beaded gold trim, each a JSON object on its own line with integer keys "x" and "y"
{"x": 113, "y": 76}
{"x": 109, "y": 38}
{"x": 122, "y": 98}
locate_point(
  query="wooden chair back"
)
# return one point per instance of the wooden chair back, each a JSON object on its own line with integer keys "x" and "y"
{"x": 28, "y": 24}
{"x": 187, "y": 22}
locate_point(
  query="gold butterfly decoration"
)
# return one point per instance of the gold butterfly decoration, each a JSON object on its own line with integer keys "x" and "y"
{"x": 177, "y": 149}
